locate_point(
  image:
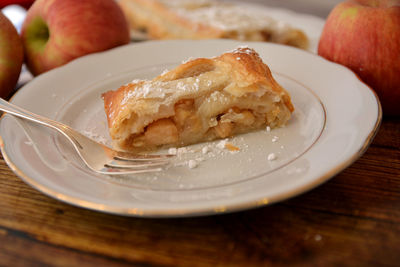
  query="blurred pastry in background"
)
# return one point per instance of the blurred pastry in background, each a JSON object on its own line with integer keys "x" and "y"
{"x": 208, "y": 19}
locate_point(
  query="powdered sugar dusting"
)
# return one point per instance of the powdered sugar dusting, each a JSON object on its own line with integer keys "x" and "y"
{"x": 218, "y": 162}
{"x": 228, "y": 17}
{"x": 242, "y": 49}
{"x": 192, "y": 164}
{"x": 95, "y": 136}
{"x": 193, "y": 157}
{"x": 159, "y": 89}
{"x": 188, "y": 60}
{"x": 272, "y": 156}
{"x": 164, "y": 72}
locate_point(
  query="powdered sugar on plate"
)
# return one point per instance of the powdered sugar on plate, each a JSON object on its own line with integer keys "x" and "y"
{"x": 95, "y": 136}
{"x": 192, "y": 157}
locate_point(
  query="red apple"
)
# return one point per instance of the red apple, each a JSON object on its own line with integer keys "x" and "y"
{"x": 11, "y": 56}
{"x": 364, "y": 35}
{"x": 58, "y": 31}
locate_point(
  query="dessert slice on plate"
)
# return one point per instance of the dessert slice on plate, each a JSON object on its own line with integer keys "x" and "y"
{"x": 209, "y": 19}
{"x": 200, "y": 100}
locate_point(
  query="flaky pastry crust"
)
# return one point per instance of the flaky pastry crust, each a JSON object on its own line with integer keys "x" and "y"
{"x": 200, "y": 100}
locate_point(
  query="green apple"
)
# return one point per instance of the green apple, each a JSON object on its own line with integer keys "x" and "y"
{"x": 11, "y": 56}
{"x": 58, "y": 31}
{"x": 364, "y": 35}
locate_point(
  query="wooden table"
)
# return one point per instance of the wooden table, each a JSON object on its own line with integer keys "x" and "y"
{"x": 354, "y": 220}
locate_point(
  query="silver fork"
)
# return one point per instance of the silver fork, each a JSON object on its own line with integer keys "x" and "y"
{"x": 96, "y": 156}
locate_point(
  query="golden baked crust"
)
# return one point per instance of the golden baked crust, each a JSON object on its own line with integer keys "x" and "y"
{"x": 200, "y": 100}
{"x": 208, "y": 19}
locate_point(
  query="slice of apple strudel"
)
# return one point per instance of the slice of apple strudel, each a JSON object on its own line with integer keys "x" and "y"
{"x": 200, "y": 100}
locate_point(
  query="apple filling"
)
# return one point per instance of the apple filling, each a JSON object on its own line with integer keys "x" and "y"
{"x": 186, "y": 126}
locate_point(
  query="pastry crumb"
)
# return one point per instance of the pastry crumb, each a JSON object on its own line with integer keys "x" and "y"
{"x": 192, "y": 164}
{"x": 182, "y": 150}
{"x": 222, "y": 144}
{"x": 272, "y": 156}
{"x": 172, "y": 151}
{"x": 29, "y": 143}
{"x": 205, "y": 150}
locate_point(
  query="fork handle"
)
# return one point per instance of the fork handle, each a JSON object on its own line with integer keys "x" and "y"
{"x": 24, "y": 114}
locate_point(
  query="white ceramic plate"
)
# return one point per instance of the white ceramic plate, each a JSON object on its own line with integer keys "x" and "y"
{"x": 336, "y": 118}
{"x": 311, "y": 25}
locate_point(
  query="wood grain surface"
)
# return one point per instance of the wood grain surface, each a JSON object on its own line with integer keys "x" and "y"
{"x": 352, "y": 220}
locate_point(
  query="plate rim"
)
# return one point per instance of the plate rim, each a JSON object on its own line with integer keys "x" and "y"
{"x": 200, "y": 211}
